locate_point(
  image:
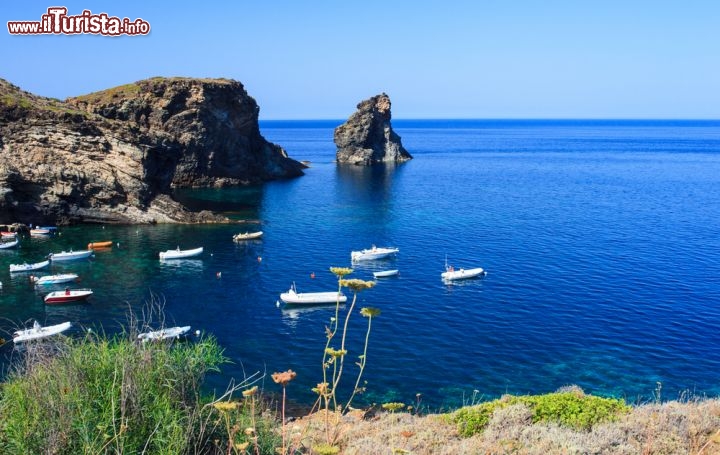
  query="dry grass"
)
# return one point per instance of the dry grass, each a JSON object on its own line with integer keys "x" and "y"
{"x": 668, "y": 428}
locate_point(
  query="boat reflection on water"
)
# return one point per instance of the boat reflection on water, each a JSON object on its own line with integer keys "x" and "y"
{"x": 188, "y": 265}
{"x": 291, "y": 314}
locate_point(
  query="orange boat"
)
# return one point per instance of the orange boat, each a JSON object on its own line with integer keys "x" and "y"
{"x": 105, "y": 244}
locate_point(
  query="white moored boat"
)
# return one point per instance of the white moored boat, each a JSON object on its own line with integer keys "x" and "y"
{"x": 451, "y": 274}
{"x": 164, "y": 334}
{"x": 70, "y": 255}
{"x": 311, "y": 298}
{"x": 38, "y": 331}
{"x": 247, "y": 236}
{"x": 40, "y": 232}
{"x": 372, "y": 253}
{"x": 180, "y": 254}
{"x": 28, "y": 267}
{"x": 54, "y": 279}
{"x": 10, "y": 244}
{"x": 385, "y": 273}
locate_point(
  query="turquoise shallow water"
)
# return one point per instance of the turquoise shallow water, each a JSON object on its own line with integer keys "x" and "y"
{"x": 600, "y": 239}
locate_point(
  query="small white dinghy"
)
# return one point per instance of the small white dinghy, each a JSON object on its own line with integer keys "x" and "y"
{"x": 247, "y": 236}
{"x": 292, "y": 297}
{"x": 164, "y": 334}
{"x": 54, "y": 279}
{"x": 385, "y": 273}
{"x": 10, "y": 244}
{"x": 180, "y": 254}
{"x": 28, "y": 267}
{"x": 70, "y": 255}
{"x": 37, "y": 331}
{"x": 452, "y": 274}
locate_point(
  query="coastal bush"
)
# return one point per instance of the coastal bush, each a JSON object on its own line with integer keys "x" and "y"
{"x": 99, "y": 395}
{"x": 569, "y": 409}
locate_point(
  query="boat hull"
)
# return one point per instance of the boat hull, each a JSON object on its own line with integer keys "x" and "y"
{"x": 65, "y": 297}
{"x": 180, "y": 254}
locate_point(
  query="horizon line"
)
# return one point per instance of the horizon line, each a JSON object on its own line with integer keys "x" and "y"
{"x": 599, "y": 119}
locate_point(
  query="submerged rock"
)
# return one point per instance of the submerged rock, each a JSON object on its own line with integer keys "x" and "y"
{"x": 367, "y": 137}
{"x": 115, "y": 156}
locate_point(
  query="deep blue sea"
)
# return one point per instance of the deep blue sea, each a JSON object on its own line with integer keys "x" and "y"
{"x": 601, "y": 240}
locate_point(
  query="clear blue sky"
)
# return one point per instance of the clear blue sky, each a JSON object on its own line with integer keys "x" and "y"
{"x": 450, "y": 59}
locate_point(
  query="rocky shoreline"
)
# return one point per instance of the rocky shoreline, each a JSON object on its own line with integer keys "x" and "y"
{"x": 115, "y": 156}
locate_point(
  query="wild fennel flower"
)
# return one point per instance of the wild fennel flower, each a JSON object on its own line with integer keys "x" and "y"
{"x": 225, "y": 406}
{"x": 321, "y": 389}
{"x": 284, "y": 377}
{"x": 250, "y": 392}
{"x": 370, "y": 312}
{"x": 392, "y": 407}
{"x": 325, "y": 449}
{"x": 341, "y": 271}
{"x": 357, "y": 285}
{"x": 335, "y": 352}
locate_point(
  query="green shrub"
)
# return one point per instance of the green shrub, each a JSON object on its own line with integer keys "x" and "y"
{"x": 107, "y": 396}
{"x": 574, "y": 410}
{"x": 569, "y": 409}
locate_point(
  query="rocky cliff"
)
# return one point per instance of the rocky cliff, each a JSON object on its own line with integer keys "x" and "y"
{"x": 367, "y": 137}
{"x": 115, "y": 156}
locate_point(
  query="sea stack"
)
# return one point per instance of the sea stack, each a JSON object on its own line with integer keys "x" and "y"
{"x": 367, "y": 137}
{"x": 116, "y": 156}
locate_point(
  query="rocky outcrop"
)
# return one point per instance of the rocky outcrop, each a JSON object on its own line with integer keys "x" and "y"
{"x": 115, "y": 156}
{"x": 367, "y": 137}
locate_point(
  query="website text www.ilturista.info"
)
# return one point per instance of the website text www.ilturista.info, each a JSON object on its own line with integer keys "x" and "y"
{"x": 57, "y": 22}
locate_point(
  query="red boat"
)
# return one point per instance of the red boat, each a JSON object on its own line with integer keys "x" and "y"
{"x": 67, "y": 296}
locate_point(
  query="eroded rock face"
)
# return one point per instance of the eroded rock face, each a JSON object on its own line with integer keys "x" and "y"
{"x": 115, "y": 156}
{"x": 367, "y": 137}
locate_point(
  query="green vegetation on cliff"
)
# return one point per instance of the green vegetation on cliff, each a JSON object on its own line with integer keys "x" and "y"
{"x": 98, "y": 396}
